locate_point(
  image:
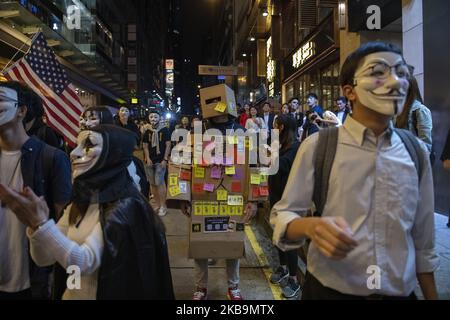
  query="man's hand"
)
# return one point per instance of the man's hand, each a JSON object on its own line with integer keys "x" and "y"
{"x": 164, "y": 164}
{"x": 185, "y": 207}
{"x": 148, "y": 162}
{"x": 332, "y": 236}
{"x": 30, "y": 209}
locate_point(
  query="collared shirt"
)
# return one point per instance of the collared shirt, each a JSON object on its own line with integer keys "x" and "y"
{"x": 266, "y": 119}
{"x": 374, "y": 186}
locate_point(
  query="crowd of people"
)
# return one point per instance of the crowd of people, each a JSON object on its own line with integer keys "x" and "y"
{"x": 354, "y": 190}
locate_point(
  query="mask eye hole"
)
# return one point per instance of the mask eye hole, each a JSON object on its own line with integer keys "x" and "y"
{"x": 88, "y": 144}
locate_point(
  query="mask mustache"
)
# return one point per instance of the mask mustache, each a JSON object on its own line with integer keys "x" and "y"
{"x": 392, "y": 92}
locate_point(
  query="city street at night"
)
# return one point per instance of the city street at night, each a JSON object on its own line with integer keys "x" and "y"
{"x": 269, "y": 152}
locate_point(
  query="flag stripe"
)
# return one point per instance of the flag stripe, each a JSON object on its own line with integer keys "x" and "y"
{"x": 70, "y": 90}
{"x": 22, "y": 76}
{"x": 11, "y": 75}
{"x": 69, "y": 112}
{"x": 27, "y": 75}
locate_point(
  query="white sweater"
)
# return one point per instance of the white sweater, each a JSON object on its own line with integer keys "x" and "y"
{"x": 80, "y": 246}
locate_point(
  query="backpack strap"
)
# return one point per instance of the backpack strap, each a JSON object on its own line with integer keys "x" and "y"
{"x": 415, "y": 151}
{"x": 325, "y": 154}
{"x": 47, "y": 158}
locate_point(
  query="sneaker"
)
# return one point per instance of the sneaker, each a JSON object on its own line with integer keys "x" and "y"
{"x": 162, "y": 211}
{"x": 234, "y": 293}
{"x": 279, "y": 275}
{"x": 200, "y": 294}
{"x": 291, "y": 289}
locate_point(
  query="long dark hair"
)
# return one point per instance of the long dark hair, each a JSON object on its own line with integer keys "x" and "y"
{"x": 287, "y": 135}
{"x": 413, "y": 95}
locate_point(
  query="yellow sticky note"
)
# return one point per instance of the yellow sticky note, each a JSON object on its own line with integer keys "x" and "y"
{"x": 231, "y": 171}
{"x": 223, "y": 209}
{"x": 247, "y": 143}
{"x": 230, "y": 210}
{"x": 221, "y": 107}
{"x": 205, "y": 209}
{"x": 174, "y": 191}
{"x": 198, "y": 210}
{"x": 255, "y": 178}
{"x": 232, "y": 139}
{"x": 199, "y": 172}
{"x": 214, "y": 208}
{"x": 222, "y": 195}
{"x": 263, "y": 178}
{"x": 239, "y": 211}
{"x": 173, "y": 180}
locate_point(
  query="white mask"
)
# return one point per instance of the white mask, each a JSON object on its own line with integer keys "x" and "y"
{"x": 154, "y": 119}
{"x": 381, "y": 83}
{"x": 90, "y": 119}
{"x": 86, "y": 154}
{"x": 8, "y": 105}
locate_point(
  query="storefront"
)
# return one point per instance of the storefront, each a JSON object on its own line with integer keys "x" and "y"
{"x": 313, "y": 67}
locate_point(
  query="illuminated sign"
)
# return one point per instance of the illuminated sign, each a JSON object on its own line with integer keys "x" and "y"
{"x": 134, "y": 101}
{"x": 303, "y": 54}
{"x": 271, "y": 89}
{"x": 271, "y": 70}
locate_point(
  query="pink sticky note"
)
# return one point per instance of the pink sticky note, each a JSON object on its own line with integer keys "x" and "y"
{"x": 216, "y": 173}
{"x": 208, "y": 187}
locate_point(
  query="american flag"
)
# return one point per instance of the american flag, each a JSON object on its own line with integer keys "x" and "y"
{"x": 41, "y": 71}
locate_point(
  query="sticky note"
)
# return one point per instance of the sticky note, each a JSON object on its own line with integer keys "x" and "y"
{"x": 236, "y": 187}
{"x": 230, "y": 210}
{"x": 185, "y": 175}
{"x": 205, "y": 208}
{"x": 221, "y": 107}
{"x": 255, "y": 178}
{"x": 199, "y": 172}
{"x": 197, "y": 188}
{"x": 230, "y": 171}
{"x": 255, "y": 192}
{"x": 174, "y": 191}
{"x": 183, "y": 187}
{"x": 263, "y": 178}
{"x": 235, "y": 200}
{"x": 239, "y": 211}
{"x": 208, "y": 187}
{"x": 222, "y": 195}
{"x": 198, "y": 211}
{"x": 232, "y": 139}
{"x": 173, "y": 180}
{"x": 264, "y": 191}
{"x": 214, "y": 208}
{"x": 223, "y": 209}
{"x": 216, "y": 173}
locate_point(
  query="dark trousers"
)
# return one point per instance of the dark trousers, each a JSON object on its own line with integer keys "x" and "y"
{"x": 314, "y": 290}
{"x": 289, "y": 259}
{"x": 21, "y": 295}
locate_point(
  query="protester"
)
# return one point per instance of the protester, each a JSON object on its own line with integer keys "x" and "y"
{"x": 254, "y": 123}
{"x": 288, "y": 149}
{"x": 157, "y": 145}
{"x": 124, "y": 121}
{"x": 26, "y": 162}
{"x": 374, "y": 205}
{"x": 109, "y": 231}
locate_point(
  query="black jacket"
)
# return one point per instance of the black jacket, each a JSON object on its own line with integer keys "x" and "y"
{"x": 278, "y": 182}
{"x": 135, "y": 261}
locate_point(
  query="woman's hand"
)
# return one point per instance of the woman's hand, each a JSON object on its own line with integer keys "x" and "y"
{"x": 30, "y": 209}
{"x": 251, "y": 209}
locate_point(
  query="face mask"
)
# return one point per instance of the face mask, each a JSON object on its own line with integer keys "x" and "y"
{"x": 154, "y": 120}
{"x": 90, "y": 119}
{"x": 88, "y": 151}
{"x": 8, "y": 105}
{"x": 381, "y": 83}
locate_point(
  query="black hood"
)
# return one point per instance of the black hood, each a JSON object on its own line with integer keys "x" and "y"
{"x": 109, "y": 176}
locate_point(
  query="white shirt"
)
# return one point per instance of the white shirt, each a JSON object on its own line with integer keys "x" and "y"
{"x": 266, "y": 119}
{"x": 14, "y": 269}
{"x": 72, "y": 245}
{"x": 340, "y": 115}
{"x": 255, "y": 127}
{"x": 374, "y": 187}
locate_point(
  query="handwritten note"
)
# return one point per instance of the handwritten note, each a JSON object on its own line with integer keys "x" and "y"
{"x": 235, "y": 200}
{"x": 264, "y": 191}
{"x": 174, "y": 191}
{"x": 199, "y": 172}
{"x": 221, "y": 107}
{"x": 185, "y": 175}
{"x": 208, "y": 187}
{"x": 173, "y": 180}
{"x": 236, "y": 187}
{"x": 230, "y": 171}
{"x": 222, "y": 195}
{"x": 255, "y": 178}
{"x": 183, "y": 187}
{"x": 216, "y": 173}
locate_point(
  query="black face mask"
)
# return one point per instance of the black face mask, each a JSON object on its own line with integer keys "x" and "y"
{"x": 109, "y": 177}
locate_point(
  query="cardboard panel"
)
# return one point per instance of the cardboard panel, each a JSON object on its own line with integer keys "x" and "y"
{"x": 218, "y": 100}
{"x": 179, "y": 182}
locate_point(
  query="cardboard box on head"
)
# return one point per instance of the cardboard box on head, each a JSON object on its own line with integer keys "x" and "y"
{"x": 217, "y": 101}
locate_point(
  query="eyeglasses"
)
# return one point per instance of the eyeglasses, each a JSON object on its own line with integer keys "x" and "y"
{"x": 382, "y": 71}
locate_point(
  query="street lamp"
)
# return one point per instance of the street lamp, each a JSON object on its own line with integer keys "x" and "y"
{"x": 244, "y": 54}
{"x": 265, "y": 13}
